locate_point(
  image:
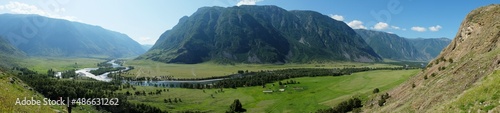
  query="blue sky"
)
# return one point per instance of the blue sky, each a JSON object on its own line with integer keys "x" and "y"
{"x": 145, "y": 20}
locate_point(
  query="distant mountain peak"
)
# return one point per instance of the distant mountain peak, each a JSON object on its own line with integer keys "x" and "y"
{"x": 62, "y": 38}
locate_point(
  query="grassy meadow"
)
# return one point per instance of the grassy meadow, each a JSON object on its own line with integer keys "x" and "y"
{"x": 150, "y": 68}
{"x": 311, "y": 94}
{"x": 42, "y": 64}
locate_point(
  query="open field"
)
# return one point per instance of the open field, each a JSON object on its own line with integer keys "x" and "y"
{"x": 311, "y": 94}
{"x": 41, "y": 65}
{"x": 151, "y": 68}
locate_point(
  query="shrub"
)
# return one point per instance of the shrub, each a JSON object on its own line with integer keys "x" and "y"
{"x": 425, "y": 77}
{"x": 236, "y": 107}
{"x": 343, "y": 107}
{"x": 376, "y": 90}
{"x": 429, "y": 65}
{"x": 413, "y": 85}
{"x": 381, "y": 102}
{"x": 433, "y": 74}
{"x": 441, "y": 68}
{"x": 383, "y": 99}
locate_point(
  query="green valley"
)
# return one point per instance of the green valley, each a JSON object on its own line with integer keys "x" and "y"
{"x": 311, "y": 94}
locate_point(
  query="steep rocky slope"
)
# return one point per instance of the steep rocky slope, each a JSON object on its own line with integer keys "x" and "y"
{"x": 462, "y": 68}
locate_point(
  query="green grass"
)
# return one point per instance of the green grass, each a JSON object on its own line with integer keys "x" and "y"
{"x": 11, "y": 91}
{"x": 483, "y": 97}
{"x": 317, "y": 93}
{"x": 41, "y": 65}
{"x": 151, "y": 68}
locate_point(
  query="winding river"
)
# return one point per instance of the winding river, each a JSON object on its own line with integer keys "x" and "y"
{"x": 103, "y": 77}
{"x": 168, "y": 83}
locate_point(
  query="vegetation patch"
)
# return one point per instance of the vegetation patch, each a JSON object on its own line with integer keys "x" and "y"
{"x": 483, "y": 97}
{"x": 312, "y": 94}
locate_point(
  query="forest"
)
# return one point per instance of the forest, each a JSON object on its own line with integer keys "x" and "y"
{"x": 54, "y": 88}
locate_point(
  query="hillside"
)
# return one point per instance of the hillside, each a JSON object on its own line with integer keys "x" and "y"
{"x": 430, "y": 47}
{"x": 17, "y": 89}
{"x": 42, "y": 36}
{"x": 7, "y": 49}
{"x": 8, "y": 53}
{"x": 259, "y": 34}
{"x": 391, "y": 46}
{"x": 461, "y": 78}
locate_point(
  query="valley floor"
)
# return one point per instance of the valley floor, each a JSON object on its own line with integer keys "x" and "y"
{"x": 311, "y": 94}
{"x": 147, "y": 68}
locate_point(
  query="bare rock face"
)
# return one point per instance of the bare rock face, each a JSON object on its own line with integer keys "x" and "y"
{"x": 473, "y": 54}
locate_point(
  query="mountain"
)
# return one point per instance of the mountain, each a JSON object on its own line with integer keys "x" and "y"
{"x": 259, "y": 34}
{"x": 8, "y": 49}
{"x": 8, "y": 54}
{"x": 42, "y": 36}
{"x": 391, "y": 46}
{"x": 146, "y": 46}
{"x": 463, "y": 78}
{"x": 431, "y": 47}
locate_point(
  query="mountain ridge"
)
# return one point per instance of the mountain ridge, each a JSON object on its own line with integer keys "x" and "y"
{"x": 430, "y": 47}
{"x": 391, "y": 46}
{"x": 43, "y": 36}
{"x": 259, "y": 34}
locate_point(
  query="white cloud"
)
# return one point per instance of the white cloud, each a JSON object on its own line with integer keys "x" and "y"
{"x": 145, "y": 40}
{"x": 337, "y": 17}
{"x": 396, "y": 27}
{"x": 381, "y": 26}
{"x": 247, "y": 2}
{"x": 22, "y": 8}
{"x": 418, "y": 29}
{"x": 356, "y": 24}
{"x": 435, "y": 28}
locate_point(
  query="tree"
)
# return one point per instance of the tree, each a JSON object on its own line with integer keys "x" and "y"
{"x": 236, "y": 107}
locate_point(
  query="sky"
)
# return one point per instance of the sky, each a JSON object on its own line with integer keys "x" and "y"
{"x": 145, "y": 20}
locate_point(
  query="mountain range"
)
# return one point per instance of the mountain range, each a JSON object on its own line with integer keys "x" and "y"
{"x": 430, "y": 47}
{"x": 394, "y": 47}
{"x": 259, "y": 34}
{"x": 42, "y": 36}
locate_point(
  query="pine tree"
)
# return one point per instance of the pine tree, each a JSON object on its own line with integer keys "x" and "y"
{"x": 236, "y": 107}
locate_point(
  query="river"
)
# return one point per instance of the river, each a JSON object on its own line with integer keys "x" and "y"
{"x": 104, "y": 77}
